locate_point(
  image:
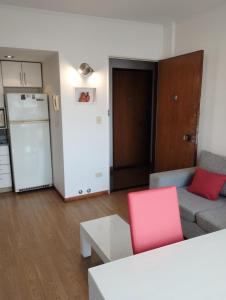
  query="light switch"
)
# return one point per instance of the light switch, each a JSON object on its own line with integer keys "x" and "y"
{"x": 98, "y": 119}
{"x": 99, "y": 174}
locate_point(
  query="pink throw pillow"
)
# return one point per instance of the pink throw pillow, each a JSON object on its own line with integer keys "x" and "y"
{"x": 207, "y": 184}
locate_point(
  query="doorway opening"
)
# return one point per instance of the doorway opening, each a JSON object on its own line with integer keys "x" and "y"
{"x": 150, "y": 134}
{"x": 132, "y": 113}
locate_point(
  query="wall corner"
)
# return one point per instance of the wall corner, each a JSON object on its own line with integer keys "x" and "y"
{"x": 169, "y": 39}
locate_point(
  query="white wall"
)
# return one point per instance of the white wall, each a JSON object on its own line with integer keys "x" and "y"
{"x": 51, "y": 84}
{"x": 208, "y": 32}
{"x": 169, "y": 30}
{"x": 82, "y": 39}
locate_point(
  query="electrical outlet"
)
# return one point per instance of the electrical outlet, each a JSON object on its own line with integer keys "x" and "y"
{"x": 99, "y": 174}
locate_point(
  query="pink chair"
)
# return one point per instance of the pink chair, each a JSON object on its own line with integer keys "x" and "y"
{"x": 154, "y": 218}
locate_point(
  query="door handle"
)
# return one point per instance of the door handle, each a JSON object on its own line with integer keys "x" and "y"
{"x": 174, "y": 98}
{"x": 190, "y": 138}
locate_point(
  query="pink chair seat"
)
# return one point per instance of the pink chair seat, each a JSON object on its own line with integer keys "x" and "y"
{"x": 154, "y": 218}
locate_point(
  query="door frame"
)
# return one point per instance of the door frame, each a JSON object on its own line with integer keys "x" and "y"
{"x": 133, "y": 64}
{"x": 122, "y": 61}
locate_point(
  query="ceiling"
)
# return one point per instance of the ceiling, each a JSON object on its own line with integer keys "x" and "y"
{"x": 25, "y": 54}
{"x": 136, "y": 10}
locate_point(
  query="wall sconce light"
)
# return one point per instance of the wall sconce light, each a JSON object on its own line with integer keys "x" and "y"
{"x": 85, "y": 69}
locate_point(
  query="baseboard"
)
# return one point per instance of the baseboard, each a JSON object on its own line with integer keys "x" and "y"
{"x": 6, "y": 190}
{"x": 58, "y": 192}
{"x": 91, "y": 195}
{"x": 86, "y": 196}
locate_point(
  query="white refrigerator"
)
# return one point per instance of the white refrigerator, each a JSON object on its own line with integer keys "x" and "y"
{"x": 28, "y": 119}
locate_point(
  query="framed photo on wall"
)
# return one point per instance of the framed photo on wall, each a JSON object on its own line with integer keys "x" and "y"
{"x": 85, "y": 95}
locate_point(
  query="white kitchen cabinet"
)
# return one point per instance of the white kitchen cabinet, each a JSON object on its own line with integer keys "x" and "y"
{"x": 5, "y": 181}
{"x": 11, "y": 74}
{"x": 21, "y": 74}
{"x": 4, "y": 150}
{"x": 32, "y": 73}
{"x": 4, "y": 159}
{"x": 5, "y": 170}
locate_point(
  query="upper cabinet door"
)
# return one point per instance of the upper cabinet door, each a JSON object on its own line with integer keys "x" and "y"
{"x": 32, "y": 74}
{"x": 11, "y": 73}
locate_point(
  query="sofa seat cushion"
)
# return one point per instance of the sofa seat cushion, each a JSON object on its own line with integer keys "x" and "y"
{"x": 212, "y": 220}
{"x": 191, "y": 204}
{"x": 191, "y": 229}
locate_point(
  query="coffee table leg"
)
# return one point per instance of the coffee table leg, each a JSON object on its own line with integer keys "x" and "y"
{"x": 85, "y": 245}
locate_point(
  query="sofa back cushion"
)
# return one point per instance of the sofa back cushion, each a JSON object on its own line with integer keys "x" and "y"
{"x": 213, "y": 163}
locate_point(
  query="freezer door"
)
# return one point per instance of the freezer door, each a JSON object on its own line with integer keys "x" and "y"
{"x": 31, "y": 155}
{"x": 27, "y": 107}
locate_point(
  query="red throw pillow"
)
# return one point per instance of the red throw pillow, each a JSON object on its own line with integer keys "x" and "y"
{"x": 207, "y": 184}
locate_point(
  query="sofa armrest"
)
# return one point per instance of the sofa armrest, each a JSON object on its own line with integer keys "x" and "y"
{"x": 178, "y": 178}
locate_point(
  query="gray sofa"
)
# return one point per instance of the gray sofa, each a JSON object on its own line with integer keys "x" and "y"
{"x": 198, "y": 215}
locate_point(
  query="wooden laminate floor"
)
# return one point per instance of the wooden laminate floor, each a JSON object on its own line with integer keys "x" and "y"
{"x": 39, "y": 244}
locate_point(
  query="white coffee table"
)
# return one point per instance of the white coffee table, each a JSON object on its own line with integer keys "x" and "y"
{"x": 108, "y": 236}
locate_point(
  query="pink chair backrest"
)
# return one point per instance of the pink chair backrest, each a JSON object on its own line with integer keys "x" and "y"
{"x": 154, "y": 218}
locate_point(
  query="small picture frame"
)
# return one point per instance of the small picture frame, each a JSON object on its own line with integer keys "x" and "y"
{"x": 85, "y": 95}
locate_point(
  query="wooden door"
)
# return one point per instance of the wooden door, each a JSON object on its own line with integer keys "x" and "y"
{"x": 132, "y": 97}
{"x": 32, "y": 74}
{"x": 11, "y": 74}
{"x": 179, "y": 92}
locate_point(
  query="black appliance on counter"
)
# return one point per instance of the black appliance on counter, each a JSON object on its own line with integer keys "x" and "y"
{"x": 3, "y": 137}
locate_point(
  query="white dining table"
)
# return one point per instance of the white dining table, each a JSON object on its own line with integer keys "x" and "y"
{"x": 191, "y": 269}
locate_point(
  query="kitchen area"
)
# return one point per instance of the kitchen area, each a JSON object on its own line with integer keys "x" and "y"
{"x": 5, "y": 166}
{"x": 29, "y": 119}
